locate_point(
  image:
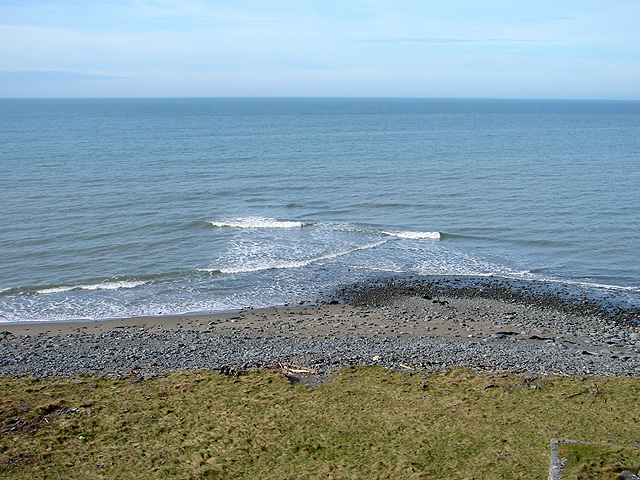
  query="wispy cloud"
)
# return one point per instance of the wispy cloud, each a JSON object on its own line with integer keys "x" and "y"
{"x": 444, "y": 41}
{"x": 51, "y": 78}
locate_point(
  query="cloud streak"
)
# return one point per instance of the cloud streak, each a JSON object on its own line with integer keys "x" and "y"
{"x": 52, "y": 78}
{"x": 445, "y": 41}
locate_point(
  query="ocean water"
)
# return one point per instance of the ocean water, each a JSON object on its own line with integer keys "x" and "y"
{"x": 117, "y": 208}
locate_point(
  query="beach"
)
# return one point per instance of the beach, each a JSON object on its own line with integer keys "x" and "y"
{"x": 268, "y": 392}
{"x": 406, "y": 323}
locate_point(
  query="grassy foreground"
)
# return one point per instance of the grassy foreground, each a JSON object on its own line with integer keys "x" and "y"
{"x": 366, "y": 423}
{"x": 598, "y": 461}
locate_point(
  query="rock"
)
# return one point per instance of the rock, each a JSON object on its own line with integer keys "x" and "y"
{"x": 627, "y": 475}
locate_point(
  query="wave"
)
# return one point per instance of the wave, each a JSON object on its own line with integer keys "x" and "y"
{"x": 409, "y": 235}
{"x": 593, "y": 285}
{"x": 271, "y": 223}
{"x": 107, "y": 283}
{"x": 113, "y": 285}
{"x": 280, "y": 265}
{"x": 259, "y": 222}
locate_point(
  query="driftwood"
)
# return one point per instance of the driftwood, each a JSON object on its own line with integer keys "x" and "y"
{"x": 290, "y": 369}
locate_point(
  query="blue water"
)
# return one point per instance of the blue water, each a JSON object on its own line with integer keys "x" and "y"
{"x": 115, "y": 208}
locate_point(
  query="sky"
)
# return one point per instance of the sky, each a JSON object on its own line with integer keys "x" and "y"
{"x": 586, "y": 49}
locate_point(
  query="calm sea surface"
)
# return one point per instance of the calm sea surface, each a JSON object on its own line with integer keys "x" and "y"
{"x": 112, "y": 208}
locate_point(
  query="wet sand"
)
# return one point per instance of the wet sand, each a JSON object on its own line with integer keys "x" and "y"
{"x": 445, "y": 318}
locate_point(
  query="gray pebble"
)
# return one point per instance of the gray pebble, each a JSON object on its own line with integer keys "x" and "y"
{"x": 143, "y": 352}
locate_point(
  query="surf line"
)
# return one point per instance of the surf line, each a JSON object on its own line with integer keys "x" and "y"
{"x": 292, "y": 264}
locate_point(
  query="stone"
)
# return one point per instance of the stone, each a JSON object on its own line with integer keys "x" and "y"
{"x": 627, "y": 475}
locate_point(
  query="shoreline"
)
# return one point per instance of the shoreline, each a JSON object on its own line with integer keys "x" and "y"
{"x": 419, "y": 323}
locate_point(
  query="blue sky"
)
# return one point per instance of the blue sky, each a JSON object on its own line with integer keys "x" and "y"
{"x": 468, "y": 49}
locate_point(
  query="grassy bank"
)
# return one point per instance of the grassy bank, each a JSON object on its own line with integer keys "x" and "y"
{"x": 366, "y": 423}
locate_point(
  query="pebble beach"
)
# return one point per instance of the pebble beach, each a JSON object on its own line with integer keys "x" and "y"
{"x": 407, "y": 323}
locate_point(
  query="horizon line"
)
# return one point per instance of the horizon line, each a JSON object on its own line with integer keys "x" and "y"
{"x": 323, "y": 97}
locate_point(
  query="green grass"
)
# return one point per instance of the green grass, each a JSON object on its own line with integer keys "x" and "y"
{"x": 597, "y": 462}
{"x": 366, "y": 423}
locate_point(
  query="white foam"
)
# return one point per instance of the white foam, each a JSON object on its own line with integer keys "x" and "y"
{"x": 415, "y": 235}
{"x": 56, "y": 290}
{"x": 97, "y": 286}
{"x": 368, "y": 268}
{"x": 277, "y": 265}
{"x": 258, "y": 222}
{"x": 602, "y": 286}
{"x": 113, "y": 285}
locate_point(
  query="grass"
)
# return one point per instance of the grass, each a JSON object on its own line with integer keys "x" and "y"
{"x": 598, "y": 461}
{"x": 366, "y": 423}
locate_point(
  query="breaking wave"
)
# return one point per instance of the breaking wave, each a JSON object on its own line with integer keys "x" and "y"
{"x": 259, "y": 222}
{"x": 279, "y": 264}
{"x": 409, "y": 235}
{"x": 117, "y": 285}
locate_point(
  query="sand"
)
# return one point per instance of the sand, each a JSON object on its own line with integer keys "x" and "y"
{"x": 454, "y": 319}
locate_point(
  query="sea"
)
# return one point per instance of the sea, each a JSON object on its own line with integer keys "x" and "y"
{"x": 113, "y": 208}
